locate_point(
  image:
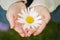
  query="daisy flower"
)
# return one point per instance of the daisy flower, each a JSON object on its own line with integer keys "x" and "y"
{"x": 30, "y": 19}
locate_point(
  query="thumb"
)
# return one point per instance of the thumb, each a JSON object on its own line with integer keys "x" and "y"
{"x": 10, "y": 18}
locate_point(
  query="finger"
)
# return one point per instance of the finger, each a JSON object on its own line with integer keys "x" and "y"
{"x": 40, "y": 29}
{"x": 30, "y": 32}
{"x": 44, "y": 12}
{"x": 14, "y": 9}
{"x": 46, "y": 15}
{"x": 47, "y": 18}
{"x": 20, "y": 31}
{"x": 25, "y": 32}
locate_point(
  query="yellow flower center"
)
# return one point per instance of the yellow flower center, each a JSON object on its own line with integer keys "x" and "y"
{"x": 29, "y": 19}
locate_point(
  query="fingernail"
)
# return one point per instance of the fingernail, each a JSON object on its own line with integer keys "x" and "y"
{"x": 12, "y": 27}
{"x": 34, "y": 34}
{"x": 22, "y": 35}
{"x": 28, "y": 35}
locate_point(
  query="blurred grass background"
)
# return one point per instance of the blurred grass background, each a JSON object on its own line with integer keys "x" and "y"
{"x": 51, "y": 32}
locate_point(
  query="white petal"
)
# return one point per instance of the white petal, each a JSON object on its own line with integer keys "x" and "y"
{"x": 32, "y": 9}
{"x": 28, "y": 9}
{"x": 32, "y": 27}
{"x": 23, "y": 13}
{"x": 20, "y": 14}
{"x": 33, "y": 13}
{"x": 20, "y": 20}
{"x": 38, "y": 21}
{"x": 37, "y": 18}
{"x": 35, "y": 25}
{"x": 26, "y": 13}
{"x": 30, "y": 13}
{"x": 26, "y": 26}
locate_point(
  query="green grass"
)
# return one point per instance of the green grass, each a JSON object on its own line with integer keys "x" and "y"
{"x": 51, "y": 32}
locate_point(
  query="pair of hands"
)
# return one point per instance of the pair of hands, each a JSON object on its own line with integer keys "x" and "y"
{"x": 15, "y": 8}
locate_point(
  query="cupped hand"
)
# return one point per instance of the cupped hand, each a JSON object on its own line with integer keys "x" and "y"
{"x": 43, "y": 11}
{"x": 11, "y": 15}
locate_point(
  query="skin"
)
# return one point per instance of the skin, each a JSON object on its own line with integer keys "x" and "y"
{"x": 11, "y": 15}
{"x": 16, "y": 8}
{"x": 43, "y": 11}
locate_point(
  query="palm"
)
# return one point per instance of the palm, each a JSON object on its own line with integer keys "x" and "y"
{"x": 14, "y": 9}
{"x": 43, "y": 11}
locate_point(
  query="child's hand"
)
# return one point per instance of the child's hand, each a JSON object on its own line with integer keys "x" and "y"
{"x": 12, "y": 14}
{"x": 14, "y": 9}
{"x": 43, "y": 11}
